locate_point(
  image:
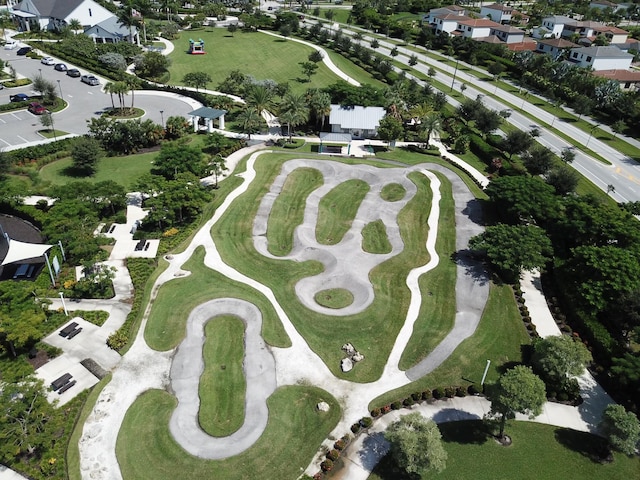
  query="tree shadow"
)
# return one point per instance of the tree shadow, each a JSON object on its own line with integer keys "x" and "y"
{"x": 472, "y": 266}
{"x": 374, "y": 447}
{"x": 465, "y": 433}
{"x": 449, "y": 415}
{"x": 586, "y": 444}
{"x": 75, "y": 172}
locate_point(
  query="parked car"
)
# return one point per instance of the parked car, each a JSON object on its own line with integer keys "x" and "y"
{"x": 61, "y": 67}
{"x": 23, "y": 51}
{"x": 73, "y": 72}
{"x": 10, "y": 45}
{"x": 36, "y": 108}
{"x": 47, "y": 61}
{"x": 90, "y": 80}
{"x": 1, "y": 86}
{"x": 19, "y": 97}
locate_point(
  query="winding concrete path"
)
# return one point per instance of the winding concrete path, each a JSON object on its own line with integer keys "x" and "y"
{"x": 143, "y": 368}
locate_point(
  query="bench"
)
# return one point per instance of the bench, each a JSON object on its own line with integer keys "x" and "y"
{"x": 61, "y": 381}
{"x": 66, "y": 387}
{"x": 74, "y": 333}
{"x": 68, "y": 329}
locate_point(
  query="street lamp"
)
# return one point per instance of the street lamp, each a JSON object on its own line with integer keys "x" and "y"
{"x": 590, "y": 135}
{"x": 162, "y": 117}
{"x": 64, "y": 305}
{"x": 454, "y": 75}
{"x": 60, "y": 87}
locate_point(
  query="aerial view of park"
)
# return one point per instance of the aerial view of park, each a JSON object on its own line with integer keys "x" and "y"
{"x": 311, "y": 241}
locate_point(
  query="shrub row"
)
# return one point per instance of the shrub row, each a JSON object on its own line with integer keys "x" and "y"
{"x": 36, "y": 153}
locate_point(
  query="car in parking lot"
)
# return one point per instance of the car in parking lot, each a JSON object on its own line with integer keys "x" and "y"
{"x": 23, "y": 51}
{"x": 61, "y": 67}
{"x": 19, "y": 97}
{"x": 36, "y": 108}
{"x": 47, "y": 61}
{"x": 10, "y": 45}
{"x": 73, "y": 72}
{"x": 90, "y": 80}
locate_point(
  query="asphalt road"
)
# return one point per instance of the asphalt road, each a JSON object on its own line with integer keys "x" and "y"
{"x": 623, "y": 172}
{"x": 84, "y": 102}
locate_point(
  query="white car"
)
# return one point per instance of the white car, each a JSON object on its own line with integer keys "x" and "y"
{"x": 10, "y": 45}
{"x": 48, "y": 61}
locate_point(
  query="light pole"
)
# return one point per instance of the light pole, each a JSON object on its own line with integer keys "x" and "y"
{"x": 162, "y": 117}
{"x": 64, "y": 305}
{"x": 454, "y": 75}
{"x": 60, "y": 87}
{"x": 590, "y": 135}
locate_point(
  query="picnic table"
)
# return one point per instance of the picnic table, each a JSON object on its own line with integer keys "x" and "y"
{"x": 60, "y": 382}
{"x": 68, "y": 329}
{"x": 74, "y": 333}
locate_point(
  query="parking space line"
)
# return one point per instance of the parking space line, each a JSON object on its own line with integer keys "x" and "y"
{"x": 1, "y": 120}
{"x": 15, "y": 116}
{"x": 22, "y": 138}
{"x": 1, "y": 140}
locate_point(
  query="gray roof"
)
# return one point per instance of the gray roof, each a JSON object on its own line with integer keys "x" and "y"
{"x": 111, "y": 26}
{"x": 602, "y": 52}
{"x": 207, "y": 112}
{"x": 335, "y": 137}
{"x": 559, "y": 19}
{"x": 49, "y": 8}
{"x": 365, "y": 118}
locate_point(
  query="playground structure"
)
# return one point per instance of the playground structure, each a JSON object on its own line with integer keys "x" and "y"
{"x": 196, "y": 47}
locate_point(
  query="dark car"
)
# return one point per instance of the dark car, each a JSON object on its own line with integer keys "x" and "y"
{"x": 73, "y": 72}
{"x": 36, "y": 108}
{"x": 61, "y": 67}
{"x": 19, "y": 97}
{"x": 90, "y": 80}
{"x": 23, "y": 51}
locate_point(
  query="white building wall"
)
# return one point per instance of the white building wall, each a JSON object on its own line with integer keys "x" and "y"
{"x": 553, "y": 29}
{"x": 89, "y": 13}
{"x": 611, "y": 63}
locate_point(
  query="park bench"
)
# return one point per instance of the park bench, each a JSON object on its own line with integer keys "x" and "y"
{"x": 66, "y": 387}
{"x": 61, "y": 381}
{"x": 68, "y": 329}
{"x": 74, "y": 333}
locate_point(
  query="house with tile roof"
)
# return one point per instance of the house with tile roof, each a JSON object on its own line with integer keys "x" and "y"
{"x": 601, "y": 58}
{"x": 476, "y": 27}
{"x": 508, "y": 34}
{"x": 613, "y": 34}
{"x": 555, "y": 46}
{"x": 629, "y": 80}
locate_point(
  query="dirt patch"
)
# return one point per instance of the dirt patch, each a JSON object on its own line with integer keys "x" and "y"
{"x": 39, "y": 359}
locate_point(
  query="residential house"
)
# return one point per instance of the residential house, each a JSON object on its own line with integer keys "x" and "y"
{"x": 476, "y": 27}
{"x": 112, "y": 31}
{"x": 601, "y": 58}
{"x": 629, "y": 80}
{"x": 615, "y": 35}
{"x": 584, "y": 29}
{"x": 497, "y": 12}
{"x": 552, "y": 26}
{"x": 429, "y": 18}
{"x": 508, "y": 34}
{"x": 358, "y": 121}
{"x": 604, "y": 4}
{"x": 447, "y": 22}
{"x": 555, "y": 46}
{"x": 57, "y": 14}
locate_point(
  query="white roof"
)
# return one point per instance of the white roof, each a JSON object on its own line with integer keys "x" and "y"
{"x": 365, "y": 118}
{"x": 22, "y": 251}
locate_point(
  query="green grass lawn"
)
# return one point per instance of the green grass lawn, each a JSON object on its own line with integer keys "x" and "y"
{"x": 538, "y": 452}
{"x": 499, "y": 338}
{"x": 258, "y": 54}
{"x": 287, "y": 211}
{"x": 168, "y": 317}
{"x": 373, "y": 331}
{"x": 293, "y": 433}
{"x": 393, "y": 192}
{"x": 337, "y": 209}
{"x": 375, "y": 239}
{"x": 123, "y": 170}
{"x": 222, "y": 384}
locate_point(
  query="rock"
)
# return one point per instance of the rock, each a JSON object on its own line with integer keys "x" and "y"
{"x": 323, "y": 407}
{"x": 357, "y": 357}
{"x": 346, "y": 364}
{"x": 348, "y": 349}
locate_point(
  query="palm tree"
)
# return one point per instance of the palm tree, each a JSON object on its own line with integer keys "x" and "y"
{"x": 320, "y": 105}
{"x": 260, "y": 97}
{"x": 126, "y": 18}
{"x": 250, "y": 120}
{"x": 144, "y": 8}
{"x": 75, "y": 26}
{"x": 132, "y": 83}
{"x": 120, "y": 89}
{"x": 293, "y": 111}
{"x": 109, "y": 88}
{"x": 431, "y": 123}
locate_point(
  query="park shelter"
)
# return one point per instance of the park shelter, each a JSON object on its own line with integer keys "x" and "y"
{"x": 358, "y": 121}
{"x": 208, "y": 115}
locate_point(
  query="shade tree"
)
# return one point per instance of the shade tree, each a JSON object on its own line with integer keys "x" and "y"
{"x": 621, "y": 429}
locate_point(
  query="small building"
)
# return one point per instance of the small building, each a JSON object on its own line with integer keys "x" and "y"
{"x": 555, "y": 46}
{"x": 604, "y": 4}
{"x": 456, "y": 10}
{"x": 202, "y": 119}
{"x": 497, "y": 12}
{"x": 613, "y": 34}
{"x": 358, "y": 121}
{"x": 601, "y": 58}
{"x": 629, "y": 80}
{"x": 508, "y": 34}
{"x": 476, "y": 27}
{"x": 112, "y": 31}
{"x": 553, "y": 26}
{"x": 22, "y": 253}
{"x": 447, "y": 23}
{"x": 57, "y": 14}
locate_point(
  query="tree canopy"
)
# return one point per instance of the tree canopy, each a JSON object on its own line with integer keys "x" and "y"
{"x": 621, "y": 429}
{"x": 416, "y": 444}
{"x": 559, "y": 357}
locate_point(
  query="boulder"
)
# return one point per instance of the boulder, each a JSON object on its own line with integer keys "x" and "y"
{"x": 346, "y": 364}
{"x": 357, "y": 357}
{"x": 323, "y": 407}
{"x": 348, "y": 349}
